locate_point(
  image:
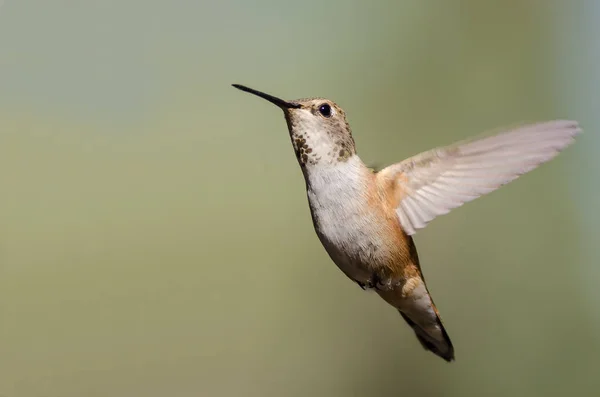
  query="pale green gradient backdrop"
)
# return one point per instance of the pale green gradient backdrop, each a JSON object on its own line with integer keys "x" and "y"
{"x": 155, "y": 238}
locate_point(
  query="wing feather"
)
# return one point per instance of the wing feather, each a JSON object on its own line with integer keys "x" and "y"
{"x": 434, "y": 182}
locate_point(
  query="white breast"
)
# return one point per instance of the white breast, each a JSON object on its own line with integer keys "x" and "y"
{"x": 338, "y": 197}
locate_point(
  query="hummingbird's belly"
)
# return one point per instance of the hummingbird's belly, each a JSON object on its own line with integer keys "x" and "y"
{"x": 350, "y": 220}
{"x": 352, "y": 240}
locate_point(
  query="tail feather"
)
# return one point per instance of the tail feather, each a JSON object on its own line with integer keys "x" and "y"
{"x": 442, "y": 348}
{"x": 413, "y": 301}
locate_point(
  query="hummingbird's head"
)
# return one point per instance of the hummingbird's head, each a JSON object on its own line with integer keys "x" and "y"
{"x": 318, "y": 128}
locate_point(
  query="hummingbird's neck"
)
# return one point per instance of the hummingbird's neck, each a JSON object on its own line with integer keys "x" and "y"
{"x": 351, "y": 172}
{"x": 315, "y": 145}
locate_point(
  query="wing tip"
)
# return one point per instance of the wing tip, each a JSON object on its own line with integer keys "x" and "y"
{"x": 573, "y": 127}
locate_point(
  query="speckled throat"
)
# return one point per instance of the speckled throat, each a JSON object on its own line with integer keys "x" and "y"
{"x": 336, "y": 146}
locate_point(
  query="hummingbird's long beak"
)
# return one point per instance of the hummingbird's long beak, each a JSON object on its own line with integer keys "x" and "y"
{"x": 277, "y": 101}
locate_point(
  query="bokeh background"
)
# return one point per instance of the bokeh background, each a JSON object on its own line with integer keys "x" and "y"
{"x": 155, "y": 238}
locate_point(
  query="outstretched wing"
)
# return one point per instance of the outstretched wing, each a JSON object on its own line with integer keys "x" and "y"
{"x": 434, "y": 182}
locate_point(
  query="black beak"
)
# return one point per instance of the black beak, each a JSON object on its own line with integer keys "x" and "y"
{"x": 274, "y": 100}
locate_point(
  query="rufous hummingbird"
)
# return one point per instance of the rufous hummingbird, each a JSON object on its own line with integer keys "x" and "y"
{"x": 365, "y": 219}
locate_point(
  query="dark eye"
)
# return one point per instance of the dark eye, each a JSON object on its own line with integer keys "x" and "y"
{"x": 325, "y": 110}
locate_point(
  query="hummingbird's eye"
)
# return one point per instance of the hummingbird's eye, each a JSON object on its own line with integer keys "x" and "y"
{"x": 325, "y": 110}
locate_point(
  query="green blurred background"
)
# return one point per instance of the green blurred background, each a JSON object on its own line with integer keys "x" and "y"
{"x": 155, "y": 238}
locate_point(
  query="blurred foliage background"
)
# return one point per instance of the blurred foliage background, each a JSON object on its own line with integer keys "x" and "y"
{"x": 155, "y": 238}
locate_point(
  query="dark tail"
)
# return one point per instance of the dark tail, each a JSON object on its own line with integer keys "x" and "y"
{"x": 412, "y": 299}
{"x": 440, "y": 346}
{"x": 416, "y": 307}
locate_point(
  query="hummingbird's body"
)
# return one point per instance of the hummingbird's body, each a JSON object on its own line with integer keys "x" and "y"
{"x": 360, "y": 231}
{"x": 366, "y": 220}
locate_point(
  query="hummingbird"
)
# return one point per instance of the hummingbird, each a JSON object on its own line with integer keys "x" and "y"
{"x": 365, "y": 219}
